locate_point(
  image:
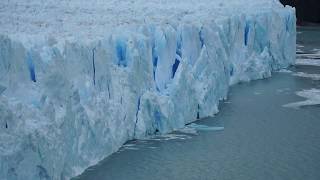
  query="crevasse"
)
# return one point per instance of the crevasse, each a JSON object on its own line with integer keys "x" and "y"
{"x": 67, "y": 104}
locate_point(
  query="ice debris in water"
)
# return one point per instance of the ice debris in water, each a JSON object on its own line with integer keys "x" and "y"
{"x": 307, "y": 62}
{"x": 311, "y": 56}
{"x": 312, "y": 96}
{"x": 284, "y": 71}
{"x": 188, "y": 130}
{"x": 315, "y": 77}
{"x": 170, "y": 136}
{"x": 201, "y": 127}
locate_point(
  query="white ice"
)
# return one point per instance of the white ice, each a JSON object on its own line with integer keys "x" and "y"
{"x": 284, "y": 71}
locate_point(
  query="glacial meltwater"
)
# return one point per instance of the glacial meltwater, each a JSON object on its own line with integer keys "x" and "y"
{"x": 266, "y": 130}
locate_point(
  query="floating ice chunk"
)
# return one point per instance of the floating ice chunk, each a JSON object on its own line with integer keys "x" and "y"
{"x": 315, "y": 77}
{"x": 312, "y": 96}
{"x": 284, "y": 71}
{"x": 129, "y": 145}
{"x": 308, "y": 62}
{"x": 172, "y": 136}
{"x": 299, "y": 51}
{"x": 188, "y": 130}
{"x": 201, "y": 127}
{"x": 131, "y": 148}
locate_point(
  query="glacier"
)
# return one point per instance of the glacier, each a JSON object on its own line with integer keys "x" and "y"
{"x": 80, "y": 78}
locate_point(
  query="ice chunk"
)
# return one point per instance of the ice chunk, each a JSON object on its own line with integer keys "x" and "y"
{"x": 200, "y": 127}
{"x": 284, "y": 71}
{"x": 188, "y": 130}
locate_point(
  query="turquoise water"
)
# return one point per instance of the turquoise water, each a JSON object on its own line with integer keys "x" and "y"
{"x": 260, "y": 139}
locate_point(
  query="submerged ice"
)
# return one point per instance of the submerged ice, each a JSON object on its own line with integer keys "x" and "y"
{"x": 80, "y": 79}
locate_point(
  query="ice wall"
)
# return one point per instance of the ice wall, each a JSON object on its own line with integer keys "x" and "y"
{"x": 67, "y": 103}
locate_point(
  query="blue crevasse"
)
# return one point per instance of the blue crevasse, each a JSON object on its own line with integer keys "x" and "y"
{"x": 93, "y": 67}
{"x": 121, "y": 48}
{"x": 246, "y": 33}
{"x": 31, "y": 67}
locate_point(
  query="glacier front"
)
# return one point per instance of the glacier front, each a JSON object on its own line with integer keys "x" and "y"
{"x": 80, "y": 78}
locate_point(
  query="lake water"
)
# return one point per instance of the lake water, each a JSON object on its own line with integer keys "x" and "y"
{"x": 266, "y": 130}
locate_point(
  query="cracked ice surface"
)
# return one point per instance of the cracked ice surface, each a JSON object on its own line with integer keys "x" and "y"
{"x": 80, "y": 78}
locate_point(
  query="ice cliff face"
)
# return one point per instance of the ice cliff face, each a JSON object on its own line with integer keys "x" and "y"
{"x": 76, "y": 83}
